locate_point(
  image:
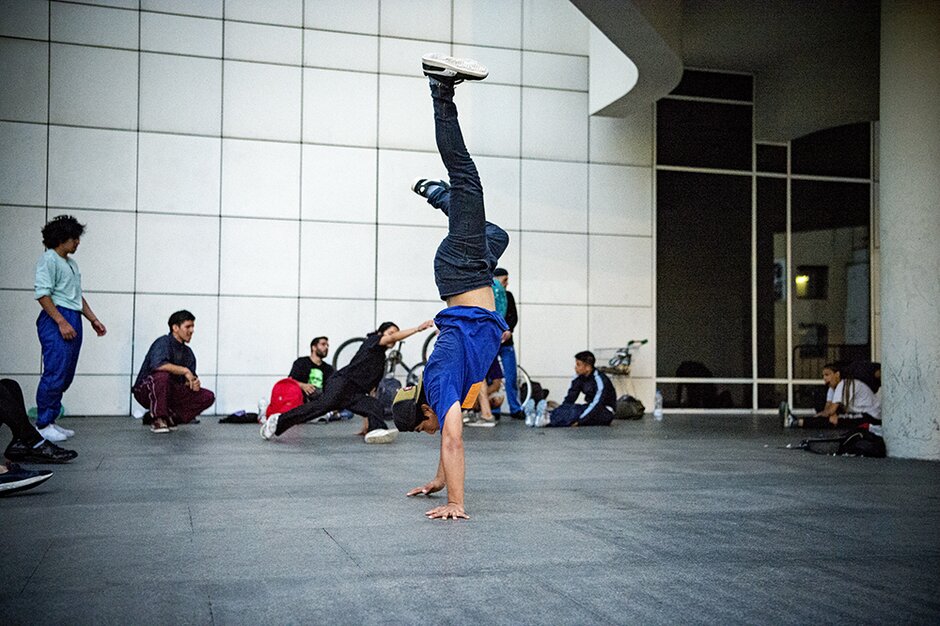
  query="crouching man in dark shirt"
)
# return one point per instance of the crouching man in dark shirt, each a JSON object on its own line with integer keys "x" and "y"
{"x": 599, "y": 396}
{"x": 167, "y": 384}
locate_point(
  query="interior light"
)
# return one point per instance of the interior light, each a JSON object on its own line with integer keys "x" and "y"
{"x": 801, "y": 279}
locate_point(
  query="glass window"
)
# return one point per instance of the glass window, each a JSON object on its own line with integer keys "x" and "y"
{"x": 840, "y": 151}
{"x": 703, "y": 287}
{"x": 770, "y": 396}
{"x": 772, "y": 159}
{"x": 716, "y": 85}
{"x": 707, "y": 395}
{"x": 703, "y": 134}
{"x": 772, "y": 289}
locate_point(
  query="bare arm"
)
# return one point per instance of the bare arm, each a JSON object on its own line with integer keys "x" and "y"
{"x": 452, "y": 463}
{"x": 432, "y": 487}
{"x": 390, "y": 340}
{"x": 91, "y": 317}
{"x": 65, "y": 329}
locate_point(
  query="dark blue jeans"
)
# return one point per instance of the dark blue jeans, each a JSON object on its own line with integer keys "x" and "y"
{"x": 467, "y": 256}
{"x": 59, "y": 360}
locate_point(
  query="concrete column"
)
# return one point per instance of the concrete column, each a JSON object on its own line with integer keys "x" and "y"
{"x": 910, "y": 226}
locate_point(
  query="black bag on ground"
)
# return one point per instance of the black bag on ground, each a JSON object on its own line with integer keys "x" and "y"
{"x": 629, "y": 408}
{"x": 856, "y": 442}
{"x": 385, "y": 392}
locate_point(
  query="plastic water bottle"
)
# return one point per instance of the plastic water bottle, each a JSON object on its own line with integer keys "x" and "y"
{"x": 658, "y": 406}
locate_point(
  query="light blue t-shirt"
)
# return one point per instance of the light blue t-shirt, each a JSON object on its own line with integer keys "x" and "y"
{"x": 59, "y": 279}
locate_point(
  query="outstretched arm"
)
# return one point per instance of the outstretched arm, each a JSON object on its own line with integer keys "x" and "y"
{"x": 390, "y": 340}
{"x": 452, "y": 463}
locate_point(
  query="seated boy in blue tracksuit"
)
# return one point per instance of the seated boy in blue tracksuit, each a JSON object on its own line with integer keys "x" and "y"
{"x": 470, "y": 330}
{"x": 600, "y": 398}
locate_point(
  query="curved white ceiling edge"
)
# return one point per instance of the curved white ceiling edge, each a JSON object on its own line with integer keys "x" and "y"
{"x": 631, "y": 63}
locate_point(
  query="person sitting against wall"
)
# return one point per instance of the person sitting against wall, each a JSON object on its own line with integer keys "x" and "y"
{"x": 849, "y": 401}
{"x": 311, "y": 372}
{"x": 167, "y": 384}
{"x": 600, "y": 398}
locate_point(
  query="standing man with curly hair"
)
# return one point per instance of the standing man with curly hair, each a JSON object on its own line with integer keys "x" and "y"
{"x": 59, "y": 292}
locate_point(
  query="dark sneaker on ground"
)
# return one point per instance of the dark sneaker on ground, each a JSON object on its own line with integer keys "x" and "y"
{"x": 18, "y": 479}
{"x": 46, "y": 452}
{"x": 452, "y": 69}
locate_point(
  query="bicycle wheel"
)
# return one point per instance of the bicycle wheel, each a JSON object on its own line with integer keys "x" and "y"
{"x": 346, "y": 351}
{"x": 523, "y": 385}
{"x": 428, "y": 346}
{"x": 415, "y": 374}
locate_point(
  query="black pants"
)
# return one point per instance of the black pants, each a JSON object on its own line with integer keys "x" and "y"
{"x": 818, "y": 421}
{"x": 13, "y": 412}
{"x": 338, "y": 393}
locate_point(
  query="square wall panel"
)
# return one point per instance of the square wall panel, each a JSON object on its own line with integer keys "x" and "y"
{"x": 106, "y": 253}
{"x": 203, "y": 8}
{"x": 270, "y": 269}
{"x": 284, "y": 12}
{"x": 554, "y": 26}
{"x": 97, "y": 395}
{"x": 94, "y": 26}
{"x": 621, "y": 200}
{"x": 260, "y": 178}
{"x": 93, "y": 87}
{"x": 554, "y": 268}
{"x": 505, "y": 66}
{"x": 257, "y": 336}
{"x": 555, "y": 71}
{"x": 406, "y": 262}
{"x": 180, "y": 94}
{"x": 623, "y": 140}
{"x": 338, "y": 183}
{"x": 621, "y": 270}
{"x": 24, "y": 72}
{"x": 398, "y": 18}
{"x": 331, "y": 116}
{"x": 406, "y": 117}
{"x": 262, "y": 101}
{"x": 554, "y": 196}
{"x": 25, "y": 18}
{"x": 22, "y": 246}
{"x": 489, "y": 22}
{"x": 19, "y": 343}
{"x": 112, "y": 353}
{"x": 242, "y": 393}
{"x": 23, "y": 173}
{"x": 151, "y": 313}
{"x": 398, "y": 204}
{"x": 555, "y": 124}
{"x": 178, "y": 174}
{"x": 116, "y": 4}
{"x": 552, "y": 335}
{"x": 403, "y": 56}
{"x": 260, "y": 42}
{"x": 353, "y": 16}
{"x": 612, "y": 327}
{"x": 177, "y": 34}
{"x": 489, "y": 119}
{"x": 92, "y": 168}
{"x": 500, "y": 178}
{"x": 177, "y": 254}
{"x": 338, "y": 320}
{"x": 341, "y": 51}
{"x": 337, "y": 260}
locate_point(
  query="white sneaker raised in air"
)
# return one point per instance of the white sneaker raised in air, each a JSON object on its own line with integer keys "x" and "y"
{"x": 269, "y": 427}
{"x": 452, "y": 68}
{"x": 51, "y": 433}
{"x": 381, "y": 435}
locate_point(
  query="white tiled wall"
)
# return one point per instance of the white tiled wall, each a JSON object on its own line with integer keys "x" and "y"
{"x": 250, "y": 161}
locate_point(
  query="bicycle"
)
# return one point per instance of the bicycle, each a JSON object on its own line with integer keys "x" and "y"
{"x": 619, "y": 364}
{"x": 523, "y": 382}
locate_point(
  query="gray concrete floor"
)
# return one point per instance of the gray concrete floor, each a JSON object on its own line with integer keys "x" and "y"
{"x": 691, "y": 520}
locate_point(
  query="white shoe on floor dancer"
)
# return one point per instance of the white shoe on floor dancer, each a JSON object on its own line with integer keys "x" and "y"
{"x": 381, "y": 435}
{"x": 51, "y": 433}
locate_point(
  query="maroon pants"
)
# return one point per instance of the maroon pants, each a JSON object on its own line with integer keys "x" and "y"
{"x": 167, "y": 398}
